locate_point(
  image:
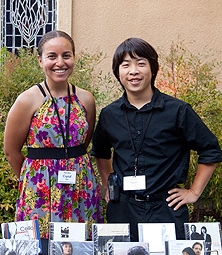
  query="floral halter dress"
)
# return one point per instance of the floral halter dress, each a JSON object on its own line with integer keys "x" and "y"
{"x": 42, "y": 197}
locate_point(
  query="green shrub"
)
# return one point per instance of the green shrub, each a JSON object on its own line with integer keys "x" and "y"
{"x": 187, "y": 77}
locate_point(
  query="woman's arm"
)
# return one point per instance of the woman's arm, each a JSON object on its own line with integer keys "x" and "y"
{"x": 17, "y": 127}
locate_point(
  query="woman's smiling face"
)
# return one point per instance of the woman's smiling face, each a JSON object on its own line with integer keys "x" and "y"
{"x": 57, "y": 59}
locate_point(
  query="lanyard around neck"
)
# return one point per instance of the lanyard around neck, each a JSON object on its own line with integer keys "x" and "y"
{"x": 65, "y": 138}
{"x": 137, "y": 151}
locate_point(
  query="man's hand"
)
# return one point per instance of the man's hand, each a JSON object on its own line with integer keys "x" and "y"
{"x": 180, "y": 196}
{"x": 107, "y": 195}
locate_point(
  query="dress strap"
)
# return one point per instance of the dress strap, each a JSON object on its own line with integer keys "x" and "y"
{"x": 44, "y": 94}
{"x": 42, "y": 90}
{"x": 73, "y": 89}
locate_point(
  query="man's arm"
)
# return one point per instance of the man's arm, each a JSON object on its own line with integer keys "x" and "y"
{"x": 180, "y": 196}
{"x": 104, "y": 167}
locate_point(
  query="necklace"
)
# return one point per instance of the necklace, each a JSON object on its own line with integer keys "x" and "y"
{"x": 65, "y": 138}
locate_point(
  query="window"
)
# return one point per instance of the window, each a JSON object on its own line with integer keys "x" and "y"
{"x": 25, "y": 21}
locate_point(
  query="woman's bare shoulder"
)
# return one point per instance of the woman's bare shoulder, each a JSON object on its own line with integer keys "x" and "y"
{"x": 29, "y": 99}
{"x": 85, "y": 96}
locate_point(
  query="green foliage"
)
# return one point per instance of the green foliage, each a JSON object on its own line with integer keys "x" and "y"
{"x": 187, "y": 77}
{"x": 16, "y": 75}
{"x": 209, "y": 219}
{"x": 8, "y": 188}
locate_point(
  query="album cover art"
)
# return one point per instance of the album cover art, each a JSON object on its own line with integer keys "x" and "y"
{"x": 19, "y": 247}
{"x": 156, "y": 234}
{"x": 70, "y": 247}
{"x": 210, "y": 232}
{"x": 73, "y": 231}
{"x": 102, "y": 233}
{"x": 120, "y": 248}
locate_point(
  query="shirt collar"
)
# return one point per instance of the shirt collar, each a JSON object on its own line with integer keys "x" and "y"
{"x": 157, "y": 101}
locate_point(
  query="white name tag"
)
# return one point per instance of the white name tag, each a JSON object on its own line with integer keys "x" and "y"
{"x": 134, "y": 182}
{"x": 67, "y": 177}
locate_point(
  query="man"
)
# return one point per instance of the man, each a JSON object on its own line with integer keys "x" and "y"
{"x": 151, "y": 135}
{"x": 194, "y": 234}
{"x": 197, "y": 248}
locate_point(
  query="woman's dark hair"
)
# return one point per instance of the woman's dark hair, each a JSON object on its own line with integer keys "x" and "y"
{"x": 65, "y": 243}
{"x": 12, "y": 253}
{"x": 204, "y": 229}
{"x": 189, "y": 251}
{"x": 136, "y": 47}
{"x": 137, "y": 250}
{"x": 53, "y": 34}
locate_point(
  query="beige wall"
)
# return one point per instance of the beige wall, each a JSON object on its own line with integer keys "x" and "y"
{"x": 104, "y": 24}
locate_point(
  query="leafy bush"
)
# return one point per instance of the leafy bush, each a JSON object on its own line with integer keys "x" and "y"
{"x": 187, "y": 77}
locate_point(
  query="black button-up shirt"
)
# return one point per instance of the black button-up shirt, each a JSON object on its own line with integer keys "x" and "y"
{"x": 174, "y": 130}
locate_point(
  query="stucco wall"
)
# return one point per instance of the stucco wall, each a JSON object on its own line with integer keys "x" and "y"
{"x": 104, "y": 24}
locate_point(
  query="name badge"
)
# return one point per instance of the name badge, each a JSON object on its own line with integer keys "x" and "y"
{"x": 67, "y": 177}
{"x": 134, "y": 182}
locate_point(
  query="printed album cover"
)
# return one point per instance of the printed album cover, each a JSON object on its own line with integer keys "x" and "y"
{"x": 102, "y": 233}
{"x": 19, "y": 247}
{"x": 21, "y": 230}
{"x": 184, "y": 247}
{"x": 156, "y": 234}
{"x": 210, "y": 232}
{"x": 72, "y": 231}
{"x": 120, "y": 248}
{"x": 70, "y": 247}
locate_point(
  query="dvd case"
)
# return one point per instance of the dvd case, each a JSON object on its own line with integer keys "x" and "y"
{"x": 156, "y": 234}
{"x": 180, "y": 247}
{"x": 120, "y": 248}
{"x": 72, "y": 231}
{"x": 210, "y": 232}
{"x": 21, "y": 230}
{"x": 19, "y": 247}
{"x": 102, "y": 233}
{"x": 71, "y": 247}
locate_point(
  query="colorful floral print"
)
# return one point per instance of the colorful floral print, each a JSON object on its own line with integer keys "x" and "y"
{"x": 41, "y": 196}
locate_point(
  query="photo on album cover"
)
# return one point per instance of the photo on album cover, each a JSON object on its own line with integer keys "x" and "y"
{"x": 74, "y": 231}
{"x": 70, "y": 247}
{"x": 209, "y": 232}
{"x": 19, "y": 247}
{"x": 102, "y": 233}
{"x": 184, "y": 247}
{"x": 22, "y": 230}
{"x": 156, "y": 234}
{"x": 120, "y": 248}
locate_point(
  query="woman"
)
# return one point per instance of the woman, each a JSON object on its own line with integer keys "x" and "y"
{"x": 56, "y": 120}
{"x": 67, "y": 248}
{"x": 137, "y": 250}
{"x": 207, "y": 238}
{"x": 188, "y": 251}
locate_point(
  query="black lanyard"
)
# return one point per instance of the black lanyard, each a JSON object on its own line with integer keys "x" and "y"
{"x": 136, "y": 152}
{"x": 65, "y": 139}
